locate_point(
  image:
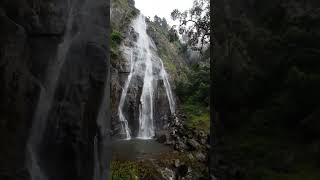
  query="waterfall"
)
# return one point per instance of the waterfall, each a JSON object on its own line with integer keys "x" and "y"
{"x": 122, "y": 118}
{"x": 44, "y": 104}
{"x": 144, "y": 62}
{"x": 164, "y": 76}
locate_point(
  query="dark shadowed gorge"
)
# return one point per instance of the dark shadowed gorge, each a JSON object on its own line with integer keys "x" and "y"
{"x": 54, "y": 72}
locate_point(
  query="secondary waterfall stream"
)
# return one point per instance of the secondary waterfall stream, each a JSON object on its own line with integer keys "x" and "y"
{"x": 144, "y": 62}
{"x": 44, "y": 103}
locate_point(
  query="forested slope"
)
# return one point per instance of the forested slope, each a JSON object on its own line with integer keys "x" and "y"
{"x": 266, "y": 90}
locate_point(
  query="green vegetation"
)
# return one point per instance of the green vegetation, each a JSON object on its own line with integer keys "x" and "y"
{"x": 267, "y": 95}
{"x": 133, "y": 170}
{"x": 146, "y": 169}
{"x": 191, "y": 81}
{"x": 124, "y": 170}
{"x": 169, "y": 51}
{"x": 193, "y": 91}
{"x": 123, "y": 12}
{"x": 195, "y": 23}
{"x": 116, "y": 38}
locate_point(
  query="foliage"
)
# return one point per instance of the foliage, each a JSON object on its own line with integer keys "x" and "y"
{"x": 267, "y": 88}
{"x": 195, "y": 23}
{"x": 124, "y": 170}
{"x": 168, "y": 50}
{"x": 173, "y": 35}
{"x": 196, "y": 85}
{"x": 160, "y": 23}
{"x": 119, "y": 24}
{"x": 116, "y": 37}
{"x": 191, "y": 82}
{"x": 128, "y": 12}
{"x": 193, "y": 90}
{"x": 133, "y": 170}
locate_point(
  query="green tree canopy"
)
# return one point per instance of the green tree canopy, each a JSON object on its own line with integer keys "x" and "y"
{"x": 195, "y": 23}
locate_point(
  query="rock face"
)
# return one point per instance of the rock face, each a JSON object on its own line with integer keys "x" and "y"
{"x": 120, "y": 72}
{"x": 30, "y": 34}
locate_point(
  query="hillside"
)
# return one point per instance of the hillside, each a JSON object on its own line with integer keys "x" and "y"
{"x": 267, "y": 90}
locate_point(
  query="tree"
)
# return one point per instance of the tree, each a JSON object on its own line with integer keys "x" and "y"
{"x": 161, "y": 23}
{"x": 173, "y": 35}
{"x": 195, "y": 23}
{"x": 164, "y": 23}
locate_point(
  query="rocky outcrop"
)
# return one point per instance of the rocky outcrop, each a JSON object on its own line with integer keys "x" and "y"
{"x": 184, "y": 139}
{"x": 30, "y": 34}
{"x": 120, "y": 72}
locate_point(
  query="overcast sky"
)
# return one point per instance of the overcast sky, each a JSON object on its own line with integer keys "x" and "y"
{"x": 162, "y": 8}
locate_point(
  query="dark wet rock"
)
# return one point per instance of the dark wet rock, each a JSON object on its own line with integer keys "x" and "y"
{"x": 193, "y": 144}
{"x": 203, "y": 141}
{"x": 200, "y": 157}
{"x": 162, "y": 136}
{"x": 182, "y": 171}
{"x": 167, "y": 173}
{"x": 212, "y": 177}
{"x": 31, "y": 32}
{"x": 180, "y": 146}
{"x": 176, "y": 163}
{"x": 190, "y": 156}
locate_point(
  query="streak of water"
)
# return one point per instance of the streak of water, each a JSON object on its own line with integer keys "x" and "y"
{"x": 44, "y": 104}
{"x": 122, "y": 118}
{"x": 144, "y": 59}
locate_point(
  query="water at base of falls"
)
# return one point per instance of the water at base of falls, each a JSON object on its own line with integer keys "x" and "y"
{"x": 143, "y": 60}
{"x": 136, "y": 148}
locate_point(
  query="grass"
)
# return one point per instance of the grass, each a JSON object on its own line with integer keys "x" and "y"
{"x": 197, "y": 116}
{"x": 132, "y": 170}
{"x": 124, "y": 170}
{"x": 145, "y": 169}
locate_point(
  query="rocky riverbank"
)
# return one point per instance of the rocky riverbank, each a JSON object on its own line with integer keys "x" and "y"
{"x": 189, "y": 144}
{"x": 184, "y": 154}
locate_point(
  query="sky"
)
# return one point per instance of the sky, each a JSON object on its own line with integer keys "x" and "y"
{"x": 162, "y": 8}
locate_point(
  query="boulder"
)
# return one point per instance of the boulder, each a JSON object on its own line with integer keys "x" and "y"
{"x": 182, "y": 171}
{"x": 193, "y": 144}
{"x": 201, "y": 157}
{"x": 163, "y": 137}
{"x": 180, "y": 146}
{"x": 176, "y": 163}
{"x": 190, "y": 156}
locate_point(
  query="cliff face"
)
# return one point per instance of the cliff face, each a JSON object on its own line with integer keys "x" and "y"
{"x": 122, "y": 14}
{"x": 31, "y": 32}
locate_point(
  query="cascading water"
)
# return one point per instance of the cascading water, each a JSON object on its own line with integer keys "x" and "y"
{"x": 44, "y": 104}
{"x": 143, "y": 58}
{"x": 122, "y": 118}
{"x": 164, "y": 76}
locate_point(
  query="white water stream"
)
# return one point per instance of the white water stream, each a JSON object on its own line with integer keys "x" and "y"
{"x": 143, "y": 60}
